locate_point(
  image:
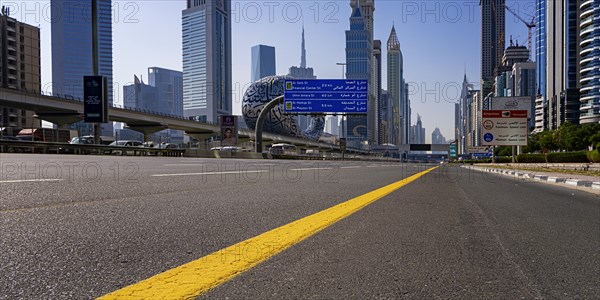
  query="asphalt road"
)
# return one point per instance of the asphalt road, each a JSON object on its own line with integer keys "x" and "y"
{"x": 77, "y": 227}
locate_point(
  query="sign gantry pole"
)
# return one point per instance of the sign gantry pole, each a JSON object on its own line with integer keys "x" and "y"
{"x": 95, "y": 58}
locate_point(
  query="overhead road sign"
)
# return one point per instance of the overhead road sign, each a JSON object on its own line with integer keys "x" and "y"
{"x": 326, "y": 96}
{"x": 504, "y": 127}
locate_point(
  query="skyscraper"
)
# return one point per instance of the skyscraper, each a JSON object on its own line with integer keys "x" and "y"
{"x": 376, "y": 120}
{"x": 332, "y": 125}
{"x": 590, "y": 58}
{"x": 263, "y": 62}
{"x": 19, "y": 69}
{"x": 562, "y": 62}
{"x": 462, "y": 115}
{"x": 367, "y": 9}
{"x": 540, "y": 53}
{"x": 437, "y": 137}
{"x": 162, "y": 94}
{"x": 358, "y": 66}
{"x": 206, "y": 60}
{"x": 492, "y": 41}
{"x": 395, "y": 85}
{"x": 169, "y": 89}
{"x": 72, "y": 50}
{"x": 302, "y": 72}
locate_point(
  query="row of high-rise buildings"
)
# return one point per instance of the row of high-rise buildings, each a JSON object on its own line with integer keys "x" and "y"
{"x": 562, "y": 85}
{"x": 388, "y": 120}
{"x": 201, "y": 92}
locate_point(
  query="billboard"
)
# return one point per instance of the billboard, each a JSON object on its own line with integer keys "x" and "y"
{"x": 512, "y": 103}
{"x": 504, "y": 127}
{"x": 95, "y": 99}
{"x": 326, "y": 96}
{"x": 229, "y": 130}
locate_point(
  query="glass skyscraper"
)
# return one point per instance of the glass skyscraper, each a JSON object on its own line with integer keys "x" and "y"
{"x": 540, "y": 53}
{"x": 263, "y": 62}
{"x": 492, "y": 41}
{"x": 358, "y": 66}
{"x": 206, "y": 27}
{"x": 72, "y": 50}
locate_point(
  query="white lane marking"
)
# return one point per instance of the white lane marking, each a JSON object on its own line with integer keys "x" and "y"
{"x": 309, "y": 169}
{"x": 30, "y": 180}
{"x": 210, "y": 173}
{"x": 204, "y": 164}
{"x": 351, "y": 167}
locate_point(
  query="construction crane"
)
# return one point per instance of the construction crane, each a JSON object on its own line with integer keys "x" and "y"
{"x": 530, "y": 26}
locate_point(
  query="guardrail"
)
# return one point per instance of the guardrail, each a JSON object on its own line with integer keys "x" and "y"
{"x": 50, "y": 147}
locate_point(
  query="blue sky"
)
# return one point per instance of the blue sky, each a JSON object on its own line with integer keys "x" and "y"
{"x": 439, "y": 41}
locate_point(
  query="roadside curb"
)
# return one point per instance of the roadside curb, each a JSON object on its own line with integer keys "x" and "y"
{"x": 586, "y": 185}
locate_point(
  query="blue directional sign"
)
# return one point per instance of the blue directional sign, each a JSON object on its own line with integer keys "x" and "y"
{"x": 326, "y": 96}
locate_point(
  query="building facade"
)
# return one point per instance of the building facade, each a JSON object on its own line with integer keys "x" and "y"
{"x": 263, "y": 62}
{"x": 562, "y": 63}
{"x": 206, "y": 34}
{"x": 19, "y": 70}
{"x": 358, "y": 66}
{"x": 72, "y": 56}
{"x": 492, "y": 41}
{"x": 589, "y": 27}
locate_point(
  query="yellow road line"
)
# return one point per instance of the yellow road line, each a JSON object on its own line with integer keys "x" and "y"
{"x": 197, "y": 277}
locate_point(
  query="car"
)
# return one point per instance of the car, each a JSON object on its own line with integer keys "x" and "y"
{"x": 127, "y": 143}
{"x": 231, "y": 149}
{"x": 168, "y": 146}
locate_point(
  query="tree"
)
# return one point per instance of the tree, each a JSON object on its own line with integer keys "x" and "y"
{"x": 533, "y": 144}
{"x": 547, "y": 141}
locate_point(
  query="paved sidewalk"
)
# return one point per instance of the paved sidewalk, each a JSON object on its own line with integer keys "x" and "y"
{"x": 583, "y": 182}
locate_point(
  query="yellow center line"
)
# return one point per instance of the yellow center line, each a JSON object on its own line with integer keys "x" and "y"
{"x": 195, "y": 278}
